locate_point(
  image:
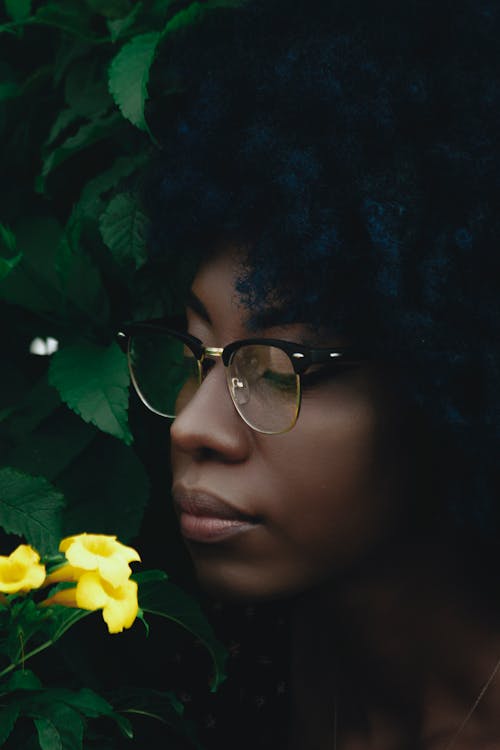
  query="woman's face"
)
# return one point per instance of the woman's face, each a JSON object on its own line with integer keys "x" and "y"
{"x": 323, "y": 497}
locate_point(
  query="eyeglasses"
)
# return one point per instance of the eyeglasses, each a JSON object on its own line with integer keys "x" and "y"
{"x": 263, "y": 375}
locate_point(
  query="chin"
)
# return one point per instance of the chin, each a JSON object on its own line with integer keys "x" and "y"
{"x": 230, "y": 584}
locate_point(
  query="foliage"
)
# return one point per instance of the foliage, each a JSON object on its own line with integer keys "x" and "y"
{"x": 34, "y": 615}
{"x": 73, "y": 266}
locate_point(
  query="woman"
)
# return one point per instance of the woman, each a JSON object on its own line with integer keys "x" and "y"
{"x": 330, "y": 170}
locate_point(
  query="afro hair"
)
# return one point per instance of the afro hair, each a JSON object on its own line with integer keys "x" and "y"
{"x": 351, "y": 148}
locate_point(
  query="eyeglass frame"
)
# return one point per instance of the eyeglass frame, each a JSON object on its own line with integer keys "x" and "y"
{"x": 301, "y": 356}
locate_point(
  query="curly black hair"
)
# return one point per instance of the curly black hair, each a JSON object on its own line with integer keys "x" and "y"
{"x": 352, "y": 149}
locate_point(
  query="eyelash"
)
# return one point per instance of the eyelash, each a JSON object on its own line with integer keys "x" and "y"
{"x": 310, "y": 379}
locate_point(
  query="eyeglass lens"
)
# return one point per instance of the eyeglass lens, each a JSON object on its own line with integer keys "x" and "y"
{"x": 164, "y": 371}
{"x": 264, "y": 387}
{"x": 260, "y": 377}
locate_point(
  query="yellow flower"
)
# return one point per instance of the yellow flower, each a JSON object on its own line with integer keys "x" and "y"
{"x": 97, "y": 552}
{"x": 99, "y": 565}
{"x": 118, "y": 603}
{"x": 65, "y": 597}
{"x": 21, "y": 570}
{"x": 64, "y": 573}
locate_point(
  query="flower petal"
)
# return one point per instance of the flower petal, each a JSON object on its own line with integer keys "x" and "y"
{"x": 65, "y": 543}
{"x": 65, "y": 597}
{"x": 90, "y": 593}
{"x": 65, "y": 573}
{"x": 21, "y": 571}
{"x": 25, "y": 555}
{"x": 129, "y": 553}
{"x": 84, "y": 537}
{"x": 115, "y": 570}
{"x": 121, "y": 609}
{"x": 80, "y": 556}
{"x": 34, "y": 577}
{"x": 100, "y": 552}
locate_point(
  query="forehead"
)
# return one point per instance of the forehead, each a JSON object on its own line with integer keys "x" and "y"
{"x": 219, "y": 272}
{"x": 214, "y": 297}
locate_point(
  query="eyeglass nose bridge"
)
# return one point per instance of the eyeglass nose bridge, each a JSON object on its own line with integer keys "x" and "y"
{"x": 211, "y": 353}
{"x": 238, "y": 387}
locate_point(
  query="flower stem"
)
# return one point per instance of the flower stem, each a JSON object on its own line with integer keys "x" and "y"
{"x": 25, "y": 658}
{"x": 79, "y": 614}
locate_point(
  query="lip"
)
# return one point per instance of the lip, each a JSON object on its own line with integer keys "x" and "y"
{"x": 205, "y": 517}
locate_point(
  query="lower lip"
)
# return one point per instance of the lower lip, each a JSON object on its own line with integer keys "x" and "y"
{"x": 206, "y": 529}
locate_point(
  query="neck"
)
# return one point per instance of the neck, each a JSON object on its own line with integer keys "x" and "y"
{"x": 387, "y": 640}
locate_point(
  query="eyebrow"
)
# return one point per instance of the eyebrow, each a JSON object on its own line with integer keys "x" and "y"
{"x": 279, "y": 317}
{"x": 197, "y": 305}
{"x": 267, "y": 318}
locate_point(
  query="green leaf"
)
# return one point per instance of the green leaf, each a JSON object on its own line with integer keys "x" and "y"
{"x": 31, "y": 409}
{"x": 93, "y": 380}
{"x": 31, "y": 507}
{"x": 7, "y": 240}
{"x": 162, "y": 706}
{"x": 48, "y": 735}
{"x": 86, "y": 701}
{"x": 72, "y": 17}
{"x": 87, "y": 135}
{"x": 8, "y": 718}
{"x": 110, "y": 8}
{"x": 107, "y": 489}
{"x": 141, "y": 618}
{"x": 68, "y": 50}
{"x": 33, "y": 283}
{"x": 158, "y": 294}
{"x": 123, "y": 724}
{"x": 27, "y": 619}
{"x": 52, "y": 446}
{"x": 146, "y": 576}
{"x": 79, "y": 277}
{"x": 63, "y": 120}
{"x": 18, "y": 10}
{"x": 36, "y": 282}
{"x": 85, "y": 89}
{"x": 23, "y": 679}
{"x": 59, "y": 727}
{"x": 119, "y": 27}
{"x": 167, "y": 600}
{"x": 91, "y": 202}
{"x": 124, "y": 229}
{"x": 129, "y": 75}
{"x": 9, "y": 258}
{"x": 9, "y": 90}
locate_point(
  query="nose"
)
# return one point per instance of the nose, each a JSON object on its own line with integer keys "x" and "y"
{"x": 209, "y": 425}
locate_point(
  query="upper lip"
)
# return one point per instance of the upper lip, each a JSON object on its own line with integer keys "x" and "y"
{"x": 199, "y": 502}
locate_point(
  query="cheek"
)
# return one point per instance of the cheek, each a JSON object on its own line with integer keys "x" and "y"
{"x": 337, "y": 501}
{"x": 327, "y": 494}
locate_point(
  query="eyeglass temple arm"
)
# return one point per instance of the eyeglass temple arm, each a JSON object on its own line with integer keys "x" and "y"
{"x": 341, "y": 354}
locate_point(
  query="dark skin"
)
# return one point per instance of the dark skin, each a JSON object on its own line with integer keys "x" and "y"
{"x": 382, "y": 616}
{"x": 406, "y": 653}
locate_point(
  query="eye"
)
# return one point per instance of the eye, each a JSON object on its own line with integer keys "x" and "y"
{"x": 279, "y": 381}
